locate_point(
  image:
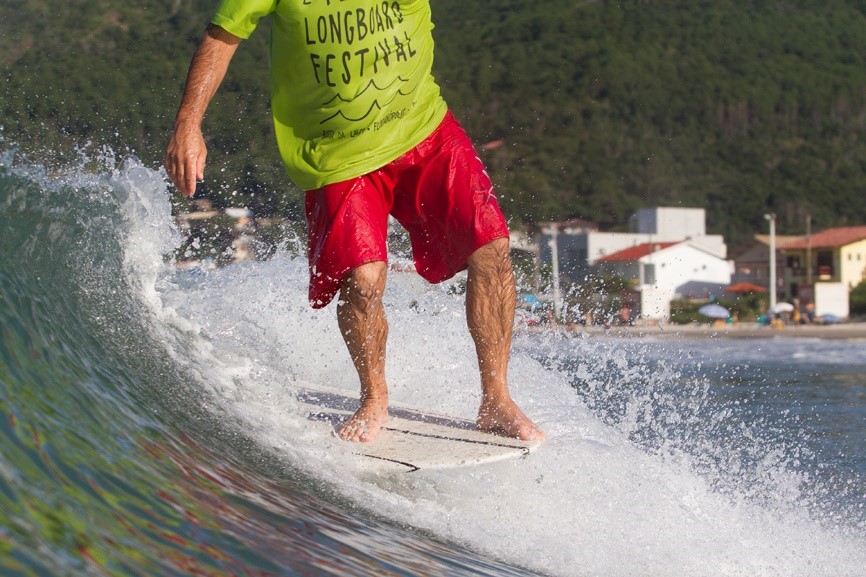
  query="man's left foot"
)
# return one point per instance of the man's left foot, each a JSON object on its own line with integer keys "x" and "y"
{"x": 504, "y": 418}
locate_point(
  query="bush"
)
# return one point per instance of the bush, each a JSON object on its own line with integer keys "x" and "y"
{"x": 745, "y": 307}
{"x": 857, "y": 300}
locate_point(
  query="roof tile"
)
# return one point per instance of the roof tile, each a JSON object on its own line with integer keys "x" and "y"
{"x": 830, "y": 238}
{"x": 636, "y": 252}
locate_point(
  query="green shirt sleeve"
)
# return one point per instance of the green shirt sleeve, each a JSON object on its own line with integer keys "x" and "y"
{"x": 240, "y": 17}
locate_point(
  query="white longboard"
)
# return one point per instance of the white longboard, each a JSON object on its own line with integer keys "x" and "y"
{"x": 414, "y": 439}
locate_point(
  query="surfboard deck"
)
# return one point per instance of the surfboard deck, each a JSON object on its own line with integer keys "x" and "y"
{"x": 414, "y": 439}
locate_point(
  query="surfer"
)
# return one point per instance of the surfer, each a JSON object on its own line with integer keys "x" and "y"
{"x": 362, "y": 128}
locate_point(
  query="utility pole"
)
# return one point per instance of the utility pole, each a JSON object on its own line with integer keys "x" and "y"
{"x": 553, "y": 243}
{"x": 809, "y": 253}
{"x": 772, "y": 218}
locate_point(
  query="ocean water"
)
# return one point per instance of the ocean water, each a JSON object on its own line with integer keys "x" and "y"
{"x": 149, "y": 424}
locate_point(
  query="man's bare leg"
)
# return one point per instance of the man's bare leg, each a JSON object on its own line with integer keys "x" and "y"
{"x": 490, "y": 302}
{"x": 362, "y": 322}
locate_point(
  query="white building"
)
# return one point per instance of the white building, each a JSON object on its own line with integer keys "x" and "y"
{"x": 662, "y": 272}
{"x": 580, "y": 244}
{"x": 673, "y": 255}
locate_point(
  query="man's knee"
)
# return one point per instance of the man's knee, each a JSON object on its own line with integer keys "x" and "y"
{"x": 493, "y": 257}
{"x": 362, "y": 287}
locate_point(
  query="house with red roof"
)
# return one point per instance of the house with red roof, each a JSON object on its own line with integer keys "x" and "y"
{"x": 575, "y": 249}
{"x": 825, "y": 264}
{"x": 664, "y": 271}
{"x": 579, "y": 243}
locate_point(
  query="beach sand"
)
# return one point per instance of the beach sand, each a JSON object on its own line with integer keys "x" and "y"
{"x": 855, "y": 330}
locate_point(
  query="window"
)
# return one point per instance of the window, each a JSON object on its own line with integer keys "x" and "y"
{"x": 825, "y": 264}
{"x": 649, "y": 274}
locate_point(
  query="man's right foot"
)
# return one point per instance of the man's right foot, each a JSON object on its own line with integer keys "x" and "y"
{"x": 365, "y": 425}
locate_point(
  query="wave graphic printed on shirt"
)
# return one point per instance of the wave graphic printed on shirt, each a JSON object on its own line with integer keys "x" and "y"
{"x": 374, "y": 105}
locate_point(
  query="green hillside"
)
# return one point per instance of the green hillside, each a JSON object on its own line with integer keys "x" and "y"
{"x": 741, "y": 107}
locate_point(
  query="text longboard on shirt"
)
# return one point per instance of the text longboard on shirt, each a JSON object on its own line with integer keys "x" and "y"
{"x": 414, "y": 439}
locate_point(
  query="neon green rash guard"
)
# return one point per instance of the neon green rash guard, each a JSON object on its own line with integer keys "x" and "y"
{"x": 351, "y": 81}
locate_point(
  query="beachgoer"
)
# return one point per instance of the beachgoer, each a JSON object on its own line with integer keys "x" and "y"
{"x": 361, "y": 126}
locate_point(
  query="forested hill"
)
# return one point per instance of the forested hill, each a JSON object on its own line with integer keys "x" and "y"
{"x": 742, "y": 107}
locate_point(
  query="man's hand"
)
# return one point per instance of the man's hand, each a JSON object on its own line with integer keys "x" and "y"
{"x": 185, "y": 158}
{"x": 186, "y": 152}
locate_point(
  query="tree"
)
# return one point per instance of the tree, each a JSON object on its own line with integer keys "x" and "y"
{"x": 857, "y": 299}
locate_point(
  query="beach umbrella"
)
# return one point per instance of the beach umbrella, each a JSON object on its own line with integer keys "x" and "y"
{"x": 783, "y": 308}
{"x": 745, "y": 287}
{"x": 529, "y": 300}
{"x": 714, "y": 311}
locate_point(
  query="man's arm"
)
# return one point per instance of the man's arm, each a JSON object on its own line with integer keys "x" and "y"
{"x": 186, "y": 152}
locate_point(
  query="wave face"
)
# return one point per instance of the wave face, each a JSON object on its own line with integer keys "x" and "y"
{"x": 150, "y": 425}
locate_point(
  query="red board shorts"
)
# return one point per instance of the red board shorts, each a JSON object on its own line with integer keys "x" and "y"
{"x": 440, "y": 193}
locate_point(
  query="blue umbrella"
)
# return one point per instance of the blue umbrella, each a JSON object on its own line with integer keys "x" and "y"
{"x": 714, "y": 311}
{"x": 529, "y": 300}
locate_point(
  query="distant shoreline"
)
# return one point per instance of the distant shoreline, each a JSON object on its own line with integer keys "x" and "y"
{"x": 843, "y": 331}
